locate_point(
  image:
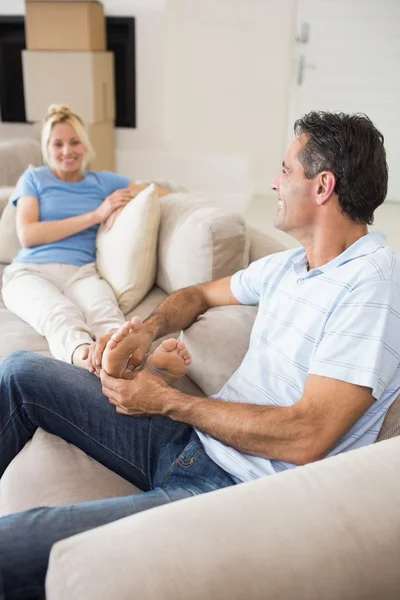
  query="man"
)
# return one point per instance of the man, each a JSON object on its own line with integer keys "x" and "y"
{"x": 321, "y": 370}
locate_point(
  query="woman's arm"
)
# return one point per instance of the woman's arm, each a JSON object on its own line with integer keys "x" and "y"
{"x": 33, "y": 232}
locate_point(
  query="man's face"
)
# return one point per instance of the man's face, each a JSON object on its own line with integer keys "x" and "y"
{"x": 296, "y": 194}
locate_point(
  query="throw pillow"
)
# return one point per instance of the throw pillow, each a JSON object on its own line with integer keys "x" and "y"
{"x": 218, "y": 341}
{"x": 9, "y": 242}
{"x": 198, "y": 241}
{"x": 127, "y": 254}
{"x": 5, "y": 192}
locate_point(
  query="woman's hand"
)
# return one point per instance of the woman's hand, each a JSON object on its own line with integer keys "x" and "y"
{"x": 116, "y": 200}
{"x": 109, "y": 222}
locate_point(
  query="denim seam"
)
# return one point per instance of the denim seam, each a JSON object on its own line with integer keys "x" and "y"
{"x": 178, "y": 462}
{"x": 185, "y": 464}
{"x": 9, "y": 422}
{"x": 81, "y": 431}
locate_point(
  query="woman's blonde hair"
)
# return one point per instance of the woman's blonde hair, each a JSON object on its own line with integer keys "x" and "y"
{"x": 61, "y": 113}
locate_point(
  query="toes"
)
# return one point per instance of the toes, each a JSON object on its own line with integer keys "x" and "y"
{"x": 136, "y": 322}
{"x": 122, "y": 332}
{"x": 111, "y": 344}
{"x": 169, "y": 345}
{"x": 185, "y": 355}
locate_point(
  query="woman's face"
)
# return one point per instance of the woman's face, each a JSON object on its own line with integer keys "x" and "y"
{"x": 65, "y": 149}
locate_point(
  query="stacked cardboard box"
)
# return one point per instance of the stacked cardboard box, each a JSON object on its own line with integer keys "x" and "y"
{"x": 66, "y": 63}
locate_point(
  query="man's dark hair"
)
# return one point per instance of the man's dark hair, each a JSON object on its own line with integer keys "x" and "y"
{"x": 351, "y": 147}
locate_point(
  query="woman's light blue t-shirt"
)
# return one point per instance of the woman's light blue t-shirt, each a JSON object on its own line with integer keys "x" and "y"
{"x": 61, "y": 200}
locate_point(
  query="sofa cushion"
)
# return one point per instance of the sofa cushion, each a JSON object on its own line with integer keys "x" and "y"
{"x": 15, "y": 155}
{"x": 218, "y": 341}
{"x": 18, "y": 335}
{"x": 391, "y": 424}
{"x": 5, "y": 193}
{"x": 198, "y": 242}
{"x": 48, "y": 472}
{"x": 326, "y": 531}
{"x": 127, "y": 254}
{"x": 9, "y": 242}
{"x": 262, "y": 244}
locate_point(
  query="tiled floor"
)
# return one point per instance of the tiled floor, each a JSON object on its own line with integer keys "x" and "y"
{"x": 262, "y": 210}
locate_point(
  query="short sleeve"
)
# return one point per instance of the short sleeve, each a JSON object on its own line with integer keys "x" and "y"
{"x": 361, "y": 343}
{"x": 26, "y": 186}
{"x": 112, "y": 181}
{"x": 246, "y": 285}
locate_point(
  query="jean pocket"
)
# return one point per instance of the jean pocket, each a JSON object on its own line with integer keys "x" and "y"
{"x": 185, "y": 461}
{"x": 189, "y": 455}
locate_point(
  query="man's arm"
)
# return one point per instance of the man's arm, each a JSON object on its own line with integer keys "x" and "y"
{"x": 299, "y": 434}
{"x": 178, "y": 311}
{"x": 182, "y": 307}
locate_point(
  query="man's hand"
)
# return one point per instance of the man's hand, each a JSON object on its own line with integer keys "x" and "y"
{"x": 141, "y": 396}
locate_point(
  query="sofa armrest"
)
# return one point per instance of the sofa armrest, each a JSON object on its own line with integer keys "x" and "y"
{"x": 327, "y": 530}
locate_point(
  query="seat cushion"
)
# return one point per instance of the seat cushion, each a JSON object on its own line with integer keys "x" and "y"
{"x": 18, "y": 335}
{"x": 48, "y": 472}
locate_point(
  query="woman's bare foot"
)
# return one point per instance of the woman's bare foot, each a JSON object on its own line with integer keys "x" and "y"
{"x": 120, "y": 347}
{"x": 80, "y": 357}
{"x": 171, "y": 360}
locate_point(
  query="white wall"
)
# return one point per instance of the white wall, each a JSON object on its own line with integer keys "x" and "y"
{"x": 212, "y": 92}
{"x": 227, "y": 80}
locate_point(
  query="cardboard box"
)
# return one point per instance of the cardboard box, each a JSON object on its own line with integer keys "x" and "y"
{"x": 65, "y": 25}
{"x": 102, "y": 137}
{"x": 83, "y": 80}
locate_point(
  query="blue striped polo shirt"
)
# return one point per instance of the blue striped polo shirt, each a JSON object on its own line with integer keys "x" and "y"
{"x": 340, "y": 320}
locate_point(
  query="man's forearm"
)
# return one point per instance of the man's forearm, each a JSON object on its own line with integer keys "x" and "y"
{"x": 178, "y": 311}
{"x": 274, "y": 432}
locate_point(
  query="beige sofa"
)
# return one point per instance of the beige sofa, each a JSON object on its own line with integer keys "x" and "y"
{"x": 326, "y": 531}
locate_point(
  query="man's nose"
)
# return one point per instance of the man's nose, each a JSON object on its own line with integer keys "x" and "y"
{"x": 274, "y": 184}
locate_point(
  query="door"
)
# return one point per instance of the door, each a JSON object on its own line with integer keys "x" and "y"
{"x": 347, "y": 58}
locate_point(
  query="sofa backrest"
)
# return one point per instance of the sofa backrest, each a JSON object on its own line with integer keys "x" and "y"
{"x": 262, "y": 244}
{"x": 391, "y": 424}
{"x": 15, "y": 156}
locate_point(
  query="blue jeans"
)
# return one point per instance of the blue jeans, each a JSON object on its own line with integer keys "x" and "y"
{"x": 162, "y": 457}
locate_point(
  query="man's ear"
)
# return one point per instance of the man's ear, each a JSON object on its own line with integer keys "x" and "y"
{"x": 325, "y": 182}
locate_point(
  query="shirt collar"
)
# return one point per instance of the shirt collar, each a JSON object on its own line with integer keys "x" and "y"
{"x": 367, "y": 244}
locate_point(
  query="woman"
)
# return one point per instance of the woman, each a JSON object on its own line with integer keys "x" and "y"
{"x": 52, "y": 284}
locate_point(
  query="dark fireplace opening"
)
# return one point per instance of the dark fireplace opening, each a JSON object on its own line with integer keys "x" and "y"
{"x": 120, "y": 40}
